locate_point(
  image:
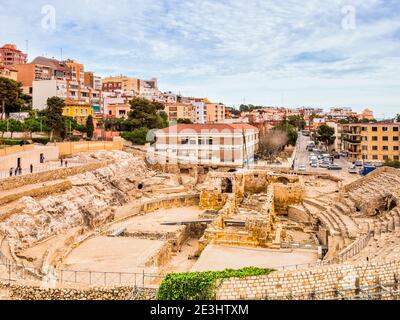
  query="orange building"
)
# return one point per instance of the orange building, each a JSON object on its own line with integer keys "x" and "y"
{"x": 215, "y": 112}
{"x": 177, "y": 111}
{"x": 11, "y": 56}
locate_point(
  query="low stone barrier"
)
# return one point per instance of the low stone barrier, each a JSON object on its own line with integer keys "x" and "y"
{"x": 57, "y": 174}
{"x": 26, "y": 292}
{"x": 302, "y": 284}
{"x": 38, "y": 192}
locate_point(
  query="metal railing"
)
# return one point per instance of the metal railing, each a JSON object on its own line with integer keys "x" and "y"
{"x": 354, "y": 248}
{"x": 11, "y": 272}
{"x": 379, "y": 291}
{"x": 41, "y": 168}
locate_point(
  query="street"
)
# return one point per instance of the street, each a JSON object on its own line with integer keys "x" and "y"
{"x": 302, "y": 158}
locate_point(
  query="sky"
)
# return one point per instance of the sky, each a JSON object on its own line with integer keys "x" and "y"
{"x": 275, "y": 53}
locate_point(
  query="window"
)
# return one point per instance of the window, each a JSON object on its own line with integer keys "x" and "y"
{"x": 375, "y": 157}
{"x": 395, "y": 138}
{"x": 396, "y": 158}
{"x": 396, "y": 148}
{"x": 375, "y": 148}
{"x": 385, "y": 158}
{"x": 396, "y": 129}
{"x": 365, "y": 148}
{"x": 385, "y": 148}
{"x": 385, "y": 138}
{"x": 374, "y": 138}
{"x": 374, "y": 128}
{"x": 384, "y": 128}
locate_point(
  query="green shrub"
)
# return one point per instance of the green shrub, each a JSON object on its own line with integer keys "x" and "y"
{"x": 137, "y": 136}
{"x": 41, "y": 140}
{"x": 13, "y": 142}
{"x": 200, "y": 285}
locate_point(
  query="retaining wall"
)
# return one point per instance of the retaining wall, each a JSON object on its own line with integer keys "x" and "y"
{"x": 302, "y": 283}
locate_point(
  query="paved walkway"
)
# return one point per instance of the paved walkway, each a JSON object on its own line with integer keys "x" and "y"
{"x": 47, "y": 166}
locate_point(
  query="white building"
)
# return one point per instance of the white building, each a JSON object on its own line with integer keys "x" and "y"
{"x": 149, "y": 90}
{"x": 205, "y": 144}
{"x": 44, "y": 89}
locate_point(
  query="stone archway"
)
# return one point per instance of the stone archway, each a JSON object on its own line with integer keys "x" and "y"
{"x": 283, "y": 180}
{"x": 226, "y": 185}
{"x": 384, "y": 204}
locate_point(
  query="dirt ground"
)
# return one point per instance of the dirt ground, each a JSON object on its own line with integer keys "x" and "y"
{"x": 216, "y": 257}
{"x": 109, "y": 254}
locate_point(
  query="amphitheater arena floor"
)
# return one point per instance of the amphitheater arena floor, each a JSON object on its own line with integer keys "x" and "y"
{"x": 215, "y": 257}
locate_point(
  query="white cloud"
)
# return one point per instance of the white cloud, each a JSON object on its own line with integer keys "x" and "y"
{"x": 228, "y": 49}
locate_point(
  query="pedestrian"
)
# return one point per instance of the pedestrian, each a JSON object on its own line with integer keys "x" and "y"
{"x": 16, "y": 171}
{"x": 20, "y": 171}
{"x": 11, "y": 171}
{"x": 62, "y": 162}
{"x": 31, "y": 168}
{"x": 66, "y": 163}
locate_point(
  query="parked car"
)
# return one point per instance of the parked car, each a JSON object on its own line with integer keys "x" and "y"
{"x": 314, "y": 164}
{"x": 302, "y": 167}
{"x": 353, "y": 170}
{"x": 334, "y": 167}
{"x": 358, "y": 163}
{"x": 323, "y": 164}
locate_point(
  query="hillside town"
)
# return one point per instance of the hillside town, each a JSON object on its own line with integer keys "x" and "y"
{"x": 113, "y": 189}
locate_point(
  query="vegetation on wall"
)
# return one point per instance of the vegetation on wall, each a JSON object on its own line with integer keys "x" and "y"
{"x": 201, "y": 285}
{"x": 393, "y": 164}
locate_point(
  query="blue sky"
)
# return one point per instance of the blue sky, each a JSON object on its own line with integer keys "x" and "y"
{"x": 257, "y": 51}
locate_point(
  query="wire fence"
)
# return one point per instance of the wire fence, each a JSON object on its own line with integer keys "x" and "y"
{"x": 11, "y": 272}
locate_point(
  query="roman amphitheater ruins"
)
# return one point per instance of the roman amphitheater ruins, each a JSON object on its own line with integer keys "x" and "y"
{"x": 113, "y": 226}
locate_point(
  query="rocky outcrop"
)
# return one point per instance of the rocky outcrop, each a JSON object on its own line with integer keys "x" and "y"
{"x": 89, "y": 203}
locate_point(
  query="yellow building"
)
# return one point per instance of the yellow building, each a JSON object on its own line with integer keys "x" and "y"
{"x": 372, "y": 142}
{"x": 9, "y": 73}
{"x": 78, "y": 112}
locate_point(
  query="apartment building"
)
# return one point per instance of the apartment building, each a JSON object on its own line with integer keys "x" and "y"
{"x": 177, "y": 111}
{"x": 44, "y": 89}
{"x": 206, "y": 144}
{"x": 78, "y": 112}
{"x": 168, "y": 97}
{"x": 372, "y": 142}
{"x": 92, "y": 81}
{"x": 122, "y": 83}
{"x": 215, "y": 112}
{"x": 27, "y": 73}
{"x": 148, "y": 89}
{"x": 11, "y": 56}
{"x": 9, "y": 73}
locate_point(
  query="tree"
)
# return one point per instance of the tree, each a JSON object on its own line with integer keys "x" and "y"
{"x": 297, "y": 121}
{"x": 54, "y": 118}
{"x": 89, "y": 127}
{"x": 14, "y": 126}
{"x": 398, "y": 117}
{"x": 393, "y": 164}
{"x": 326, "y": 135}
{"x": 137, "y": 136}
{"x": 184, "y": 121}
{"x": 3, "y": 127}
{"x": 272, "y": 143}
{"x": 10, "y": 96}
{"x": 144, "y": 113}
{"x": 290, "y": 130}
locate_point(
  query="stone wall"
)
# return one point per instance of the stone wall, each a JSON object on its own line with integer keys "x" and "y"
{"x": 42, "y": 191}
{"x": 301, "y": 284}
{"x": 69, "y": 148}
{"x": 171, "y": 202}
{"x": 62, "y": 173}
{"x": 286, "y": 195}
{"x": 25, "y": 292}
